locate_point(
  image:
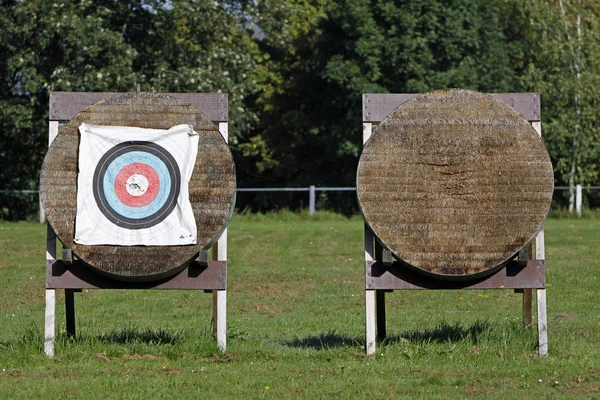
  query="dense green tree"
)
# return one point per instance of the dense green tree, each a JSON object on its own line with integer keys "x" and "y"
{"x": 47, "y": 45}
{"x": 295, "y": 71}
{"x": 311, "y": 131}
{"x": 558, "y": 54}
{"x": 109, "y": 45}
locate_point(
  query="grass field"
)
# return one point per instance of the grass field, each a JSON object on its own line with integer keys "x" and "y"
{"x": 296, "y": 326}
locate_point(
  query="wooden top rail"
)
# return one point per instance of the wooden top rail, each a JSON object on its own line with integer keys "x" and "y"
{"x": 377, "y": 106}
{"x": 64, "y": 106}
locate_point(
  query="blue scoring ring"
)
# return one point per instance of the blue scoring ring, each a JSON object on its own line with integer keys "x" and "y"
{"x": 124, "y": 154}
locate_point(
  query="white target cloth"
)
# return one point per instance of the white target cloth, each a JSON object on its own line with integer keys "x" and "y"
{"x": 132, "y": 187}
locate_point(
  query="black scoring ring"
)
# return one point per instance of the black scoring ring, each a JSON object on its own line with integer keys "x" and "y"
{"x": 168, "y": 203}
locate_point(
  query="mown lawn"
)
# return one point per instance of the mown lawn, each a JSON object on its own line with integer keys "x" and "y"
{"x": 296, "y": 326}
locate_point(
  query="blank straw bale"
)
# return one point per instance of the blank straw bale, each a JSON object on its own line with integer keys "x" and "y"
{"x": 454, "y": 183}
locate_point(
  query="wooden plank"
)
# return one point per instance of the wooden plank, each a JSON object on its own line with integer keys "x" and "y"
{"x": 64, "y": 106}
{"x": 377, "y": 106}
{"x": 212, "y": 276}
{"x": 401, "y": 277}
{"x": 528, "y": 104}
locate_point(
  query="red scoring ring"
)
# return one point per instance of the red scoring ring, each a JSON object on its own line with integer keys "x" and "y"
{"x": 121, "y": 185}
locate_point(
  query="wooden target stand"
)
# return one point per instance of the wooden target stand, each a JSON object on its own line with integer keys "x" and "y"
{"x": 384, "y": 274}
{"x": 73, "y": 276}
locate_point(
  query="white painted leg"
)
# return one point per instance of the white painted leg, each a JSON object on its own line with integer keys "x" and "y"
{"x": 221, "y": 251}
{"x": 542, "y": 322}
{"x": 220, "y": 296}
{"x": 49, "y": 325}
{"x": 540, "y": 254}
{"x": 540, "y": 250}
{"x": 221, "y": 319}
{"x": 50, "y": 313}
{"x": 370, "y": 313}
{"x": 369, "y": 294}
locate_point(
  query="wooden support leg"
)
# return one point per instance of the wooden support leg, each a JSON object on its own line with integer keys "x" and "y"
{"x": 49, "y": 325}
{"x": 524, "y": 256}
{"x": 370, "y": 313}
{"x": 369, "y": 295}
{"x": 542, "y": 322}
{"x": 527, "y": 306}
{"x": 540, "y": 254}
{"x": 219, "y": 252}
{"x": 50, "y": 313}
{"x": 380, "y": 307}
{"x": 70, "y": 311}
{"x": 220, "y": 318}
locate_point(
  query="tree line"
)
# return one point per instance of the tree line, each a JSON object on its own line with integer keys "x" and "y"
{"x": 295, "y": 71}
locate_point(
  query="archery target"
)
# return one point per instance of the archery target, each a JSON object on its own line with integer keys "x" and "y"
{"x": 133, "y": 186}
{"x": 136, "y": 184}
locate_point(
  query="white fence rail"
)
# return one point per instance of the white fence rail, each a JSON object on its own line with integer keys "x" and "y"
{"x": 578, "y": 194}
{"x": 312, "y": 190}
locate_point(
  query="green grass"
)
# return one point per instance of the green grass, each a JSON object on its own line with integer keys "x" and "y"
{"x": 296, "y": 326}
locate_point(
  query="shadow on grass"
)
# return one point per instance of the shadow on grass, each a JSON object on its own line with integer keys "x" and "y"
{"x": 135, "y": 336}
{"x": 324, "y": 341}
{"x": 443, "y": 333}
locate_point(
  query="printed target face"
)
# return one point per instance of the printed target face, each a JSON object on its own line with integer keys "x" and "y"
{"x": 132, "y": 186}
{"x": 136, "y": 184}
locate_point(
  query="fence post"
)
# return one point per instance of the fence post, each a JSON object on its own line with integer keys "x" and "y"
{"x": 42, "y": 212}
{"x": 578, "y": 200}
{"x": 311, "y": 199}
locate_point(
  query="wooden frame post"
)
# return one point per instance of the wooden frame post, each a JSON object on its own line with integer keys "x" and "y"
{"x": 369, "y": 295}
{"x": 369, "y": 243}
{"x": 220, "y": 296}
{"x": 50, "y": 311}
{"x": 525, "y": 275}
{"x": 540, "y": 255}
